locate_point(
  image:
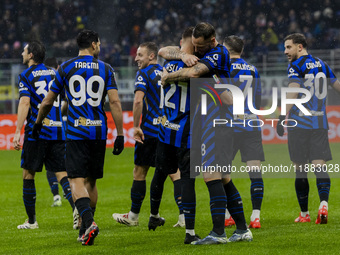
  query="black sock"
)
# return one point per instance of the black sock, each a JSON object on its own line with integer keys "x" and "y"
{"x": 156, "y": 190}
{"x": 67, "y": 190}
{"x": 178, "y": 194}
{"x": 218, "y": 202}
{"x": 84, "y": 209}
{"x": 138, "y": 190}
{"x": 235, "y": 205}
{"x": 53, "y": 182}
{"x": 82, "y": 228}
{"x": 256, "y": 189}
{"x": 189, "y": 202}
{"x": 323, "y": 182}
{"x": 29, "y": 197}
{"x": 302, "y": 190}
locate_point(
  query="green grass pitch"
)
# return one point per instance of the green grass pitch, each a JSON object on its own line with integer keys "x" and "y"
{"x": 278, "y": 235}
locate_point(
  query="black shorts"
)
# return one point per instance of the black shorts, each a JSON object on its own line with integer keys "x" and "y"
{"x": 145, "y": 154}
{"x": 85, "y": 158}
{"x": 49, "y": 152}
{"x": 169, "y": 158}
{"x": 306, "y": 145}
{"x": 249, "y": 144}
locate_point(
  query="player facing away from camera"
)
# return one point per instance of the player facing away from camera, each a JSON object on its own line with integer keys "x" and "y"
{"x": 247, "y": 139}
{"x": 34, "y": 84}
{"x": 174, "y": 137}
{"x": 308, "y": 140}
{"x": 51, "y": 178}
{"x": 146, "y": 104}
{"x": 215, "y": 63}
{"x": 86, "y": 81}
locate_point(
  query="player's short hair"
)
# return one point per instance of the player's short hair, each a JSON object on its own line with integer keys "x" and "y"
{"x": 187, "y": 32}
{"x": 205, "y": 30}
{"x": 38, "y": 50}
{"x": 51, "y": 62}
{"x": 151, "y": 47}
{"x": 235, "y": 44}
{"x": 86, "y": 37}
{"x": 297, "y": 38}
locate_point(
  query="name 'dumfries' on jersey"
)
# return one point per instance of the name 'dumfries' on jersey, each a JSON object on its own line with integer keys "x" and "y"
{"x": 88, "y": 65}
{"x": 87, "y": 122}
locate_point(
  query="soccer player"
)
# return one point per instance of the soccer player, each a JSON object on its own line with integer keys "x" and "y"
{"x": 34, "y": 84}
{"x": 308, "y": 140}
{"x": 215, "y": 63}
{"x": 146, "y": 104}
{"x": 51, "y": 178}
{"x": 247, "y": 139}
{"x": 174, "y": 137}
{"x": 86, "y": 81}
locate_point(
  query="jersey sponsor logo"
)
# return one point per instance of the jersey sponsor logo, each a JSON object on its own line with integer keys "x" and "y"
{"x": 243, "y": 67}
{"x": 87, "y": 65}
{"x": 167, "y": 124}
{"x": 43, "y": 72}
{"x": 313, "y": 65}
{"x": 87, "y": 122}
{"x": 51, "y": 123}
{"x": 21, "y": 85}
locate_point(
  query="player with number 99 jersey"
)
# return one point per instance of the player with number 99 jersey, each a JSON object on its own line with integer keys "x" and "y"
{"x": 313, "y": 74}
{"x": 175, "y": 122}
{"x": 35, "y": 82}
{"x": 86, "y": 80}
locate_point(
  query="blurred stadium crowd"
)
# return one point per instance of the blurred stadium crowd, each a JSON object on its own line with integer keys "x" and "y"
{"x": 261, "y": 23}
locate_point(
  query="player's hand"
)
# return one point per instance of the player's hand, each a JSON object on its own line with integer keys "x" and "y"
{"x": 164, "y": 77}
{"x": 189, "y": 60}
{"x": 118, "y": 147}
{"x": 16, "y": 142}
{"x": 279, "y": 128}
{"x": 36, "y": 130}
{"x": 138, "y": 135}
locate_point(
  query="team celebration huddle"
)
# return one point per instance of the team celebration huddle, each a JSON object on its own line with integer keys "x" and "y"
{"x": 174, "y": 126}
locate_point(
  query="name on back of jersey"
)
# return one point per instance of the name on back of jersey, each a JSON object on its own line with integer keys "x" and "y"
{"x": 88, "y": 65}
{"x": 243, "y": 67}
{"x": 173, "y": 68}
{"x": 43, "y": 72}
{"x": 313, "y": 65}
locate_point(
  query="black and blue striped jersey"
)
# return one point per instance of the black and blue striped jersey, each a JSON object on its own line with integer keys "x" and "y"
{"x": 148, "y": 81}
{"x": 245, "y": 76}
{"x": 313, "y": 74}
{"x": 86, "y": 81}
{"x": 35, "y": 83}
{"x": 174, "y": 128}
{"x": 218, "y": 62}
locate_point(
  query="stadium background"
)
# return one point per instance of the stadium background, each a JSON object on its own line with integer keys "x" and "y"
{"x": 261, "y": 23}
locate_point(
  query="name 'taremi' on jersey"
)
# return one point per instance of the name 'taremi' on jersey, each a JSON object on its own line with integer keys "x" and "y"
{"x": 86, "y": 81}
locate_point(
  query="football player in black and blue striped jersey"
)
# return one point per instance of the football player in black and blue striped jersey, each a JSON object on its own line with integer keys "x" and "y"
{"x": 146, "y": 105}
{"x": 34, "y": 84}
{"x": 247, "y": 139}
{"x": 215, "y": 63}
{"x": 308, "y": 139}
{"x": 86, "y": 81}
